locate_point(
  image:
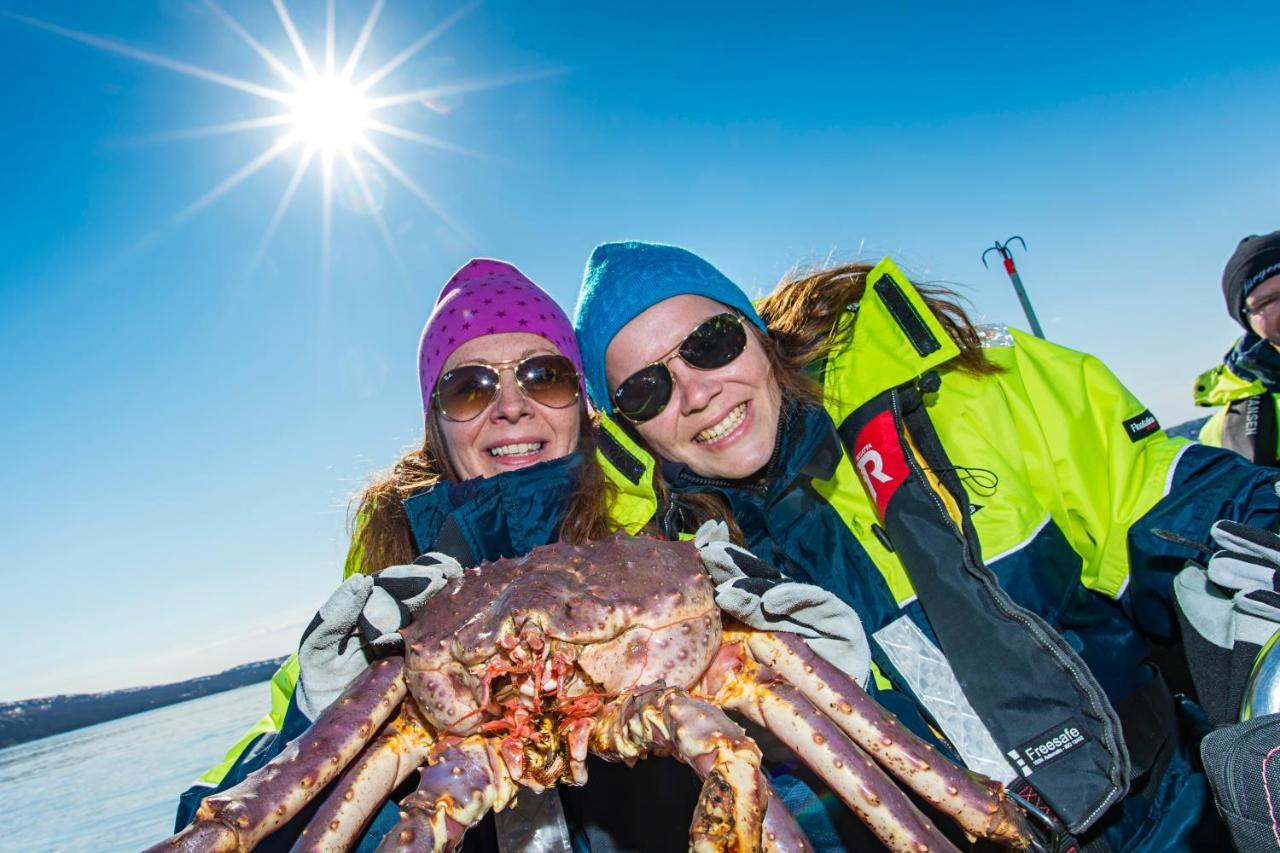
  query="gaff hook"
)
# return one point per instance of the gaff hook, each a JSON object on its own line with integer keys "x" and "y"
{"x": 1011, "y": 268}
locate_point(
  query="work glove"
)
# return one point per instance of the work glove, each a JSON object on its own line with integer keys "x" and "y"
{"x": 758, "y": 595}
{"x": 360, "y": 623}
{"x": 1246, "y": 565}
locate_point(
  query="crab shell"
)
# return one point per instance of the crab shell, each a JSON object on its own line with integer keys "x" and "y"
{"x": 627, "y": 613}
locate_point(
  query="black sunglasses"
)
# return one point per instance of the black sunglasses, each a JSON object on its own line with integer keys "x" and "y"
{"x": 714, "y": 343}
{"x": 467, "y": 390}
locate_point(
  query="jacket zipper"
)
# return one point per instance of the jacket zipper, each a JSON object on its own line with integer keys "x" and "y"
{"x": 1035, "y": 627}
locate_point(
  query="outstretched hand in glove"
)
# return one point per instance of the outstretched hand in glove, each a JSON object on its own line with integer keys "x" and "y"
{"x": 758, "y": 595}
{"x": 360, "y": 623}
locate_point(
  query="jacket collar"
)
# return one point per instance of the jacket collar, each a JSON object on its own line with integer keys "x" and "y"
{"x": 1220, "y": 385}
{"x": 895, "y": 339}
{"x": 1254, "y": 359}
{"x": 501, "y": 516}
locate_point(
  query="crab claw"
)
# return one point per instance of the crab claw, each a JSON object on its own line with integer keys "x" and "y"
{"x": 578, "y": 734}
{"x": 731, "y": 807}
{"x": 513, "y": 755}
{"x": 454, "y": 794}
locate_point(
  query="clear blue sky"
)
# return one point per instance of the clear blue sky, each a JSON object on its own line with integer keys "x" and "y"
{"x": 182, "y": 430}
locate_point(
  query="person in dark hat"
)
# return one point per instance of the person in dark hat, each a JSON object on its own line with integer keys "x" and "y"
{"x": 1244, "y": 387}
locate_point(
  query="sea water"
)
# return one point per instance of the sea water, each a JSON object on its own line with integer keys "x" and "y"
{"x": 115, "y": 786}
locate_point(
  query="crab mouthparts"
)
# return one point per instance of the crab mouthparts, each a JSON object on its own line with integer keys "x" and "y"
{"x": 543, "y": 705}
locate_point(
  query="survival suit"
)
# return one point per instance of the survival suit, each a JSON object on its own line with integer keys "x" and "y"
{"x": 995, "y": 535}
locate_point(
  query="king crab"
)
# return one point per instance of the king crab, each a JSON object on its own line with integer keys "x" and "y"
{"x": 518, "y": 669}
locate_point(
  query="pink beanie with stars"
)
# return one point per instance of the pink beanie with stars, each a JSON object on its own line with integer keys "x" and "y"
{"x": 488, "y": 297}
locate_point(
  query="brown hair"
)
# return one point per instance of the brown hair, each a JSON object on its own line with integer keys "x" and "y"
{"x": 804, "y": 309}
{"x": 381, "y": 534}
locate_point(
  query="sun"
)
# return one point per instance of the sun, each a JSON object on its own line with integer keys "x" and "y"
{"x": 321, "y": 108}
{"x": 329, "y": 114}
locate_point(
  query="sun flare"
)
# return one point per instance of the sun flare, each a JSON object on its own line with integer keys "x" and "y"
{"x": 321, "y": 108}
{"x": 329, "y": 114}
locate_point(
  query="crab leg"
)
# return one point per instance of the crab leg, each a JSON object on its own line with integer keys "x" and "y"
{"x": 240, "y": 817}
{"x": 400, "y": 749}
{"x": 978, "y": 804}
{"x": 851, "y": 773}
{"x": 454, "y": 794}
{"x": 664, "y": 721}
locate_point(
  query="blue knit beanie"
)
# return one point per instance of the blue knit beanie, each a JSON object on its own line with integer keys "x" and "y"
{"x": 622, "y": 280}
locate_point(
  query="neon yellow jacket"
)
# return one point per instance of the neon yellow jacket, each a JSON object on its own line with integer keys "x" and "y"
{"x": 1066, "y": 476}
{"x": 1065, "y": 440}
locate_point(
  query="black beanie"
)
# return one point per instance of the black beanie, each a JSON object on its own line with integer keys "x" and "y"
{"x": 1255, "y": 260}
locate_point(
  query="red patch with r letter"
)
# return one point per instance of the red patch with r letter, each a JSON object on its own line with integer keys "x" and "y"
{"x": 878, "y": 459}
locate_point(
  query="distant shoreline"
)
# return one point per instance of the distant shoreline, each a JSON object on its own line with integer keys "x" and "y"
{"x": 33, "y": 719}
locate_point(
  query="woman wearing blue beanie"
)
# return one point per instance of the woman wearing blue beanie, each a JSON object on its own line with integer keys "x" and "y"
{"x": 984, "y": 499}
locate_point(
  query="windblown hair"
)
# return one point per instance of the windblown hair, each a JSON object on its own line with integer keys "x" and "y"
{"x": 805, "y": 308}
{"x": 380, "y": 526}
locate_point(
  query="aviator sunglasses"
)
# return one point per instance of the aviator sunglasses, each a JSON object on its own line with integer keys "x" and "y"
{"x": 464, "y": 392}
{"x": 714, "y": 343}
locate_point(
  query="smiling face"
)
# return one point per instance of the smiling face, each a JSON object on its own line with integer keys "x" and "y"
{"x": 513, "y": 431}
{"x": 722, "y": 423}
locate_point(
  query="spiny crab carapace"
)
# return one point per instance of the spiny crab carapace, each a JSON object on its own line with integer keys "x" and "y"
{"x": 519, "y": 668}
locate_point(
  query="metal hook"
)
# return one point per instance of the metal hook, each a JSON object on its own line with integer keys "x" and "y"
{"x": 1011, "y": 268}
{"x": 1003, "y": 249}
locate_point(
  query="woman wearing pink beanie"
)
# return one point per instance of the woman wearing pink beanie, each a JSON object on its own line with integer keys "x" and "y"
{"x": 499, "y": 371}
{"x": 500, "y": 376}
{"x": 507, "y": 463}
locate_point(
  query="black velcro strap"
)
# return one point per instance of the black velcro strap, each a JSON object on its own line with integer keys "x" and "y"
{"x": 752, "y": 566}
{"x": 1248, "y": 559}
{"x": 403, "y": 588}
{"x": 1264, "y": 539}
{"x": 908, "y": 319}
{"x": 620, "y": 458}
{"x": 1269, "y": 597}
{"x": 316, "y": 622}
{"x": 754, "y": 586}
